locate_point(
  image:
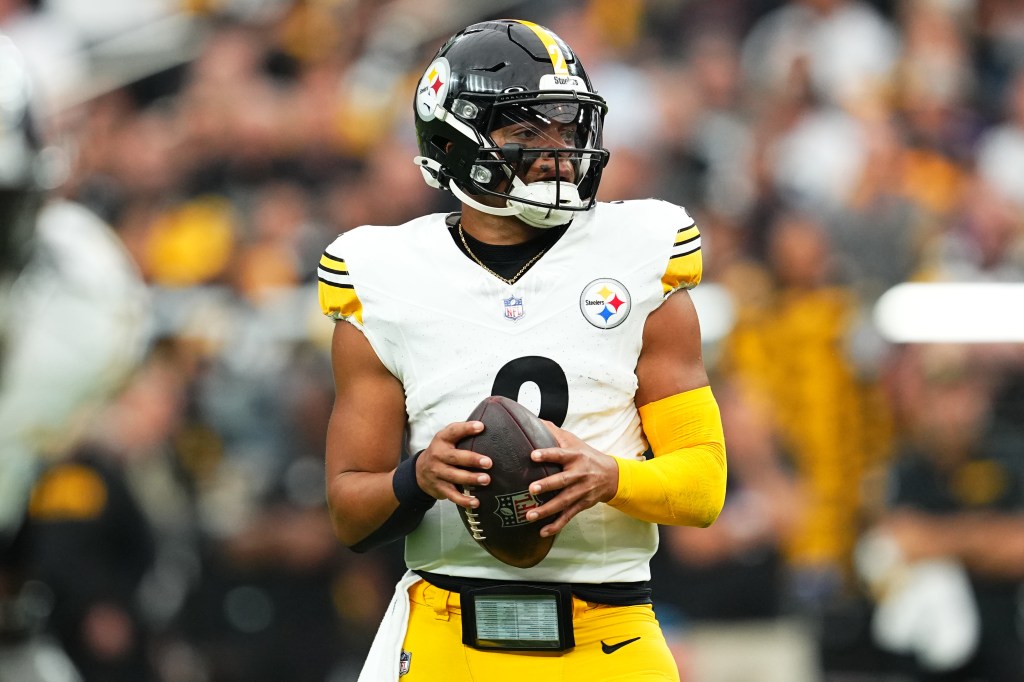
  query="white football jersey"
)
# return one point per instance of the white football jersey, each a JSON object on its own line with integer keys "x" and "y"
{"x": 563, "y": 340}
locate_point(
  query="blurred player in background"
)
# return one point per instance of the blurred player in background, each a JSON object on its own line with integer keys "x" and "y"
{"x": 532, "y": 287}
{"x": 72, "y": 326}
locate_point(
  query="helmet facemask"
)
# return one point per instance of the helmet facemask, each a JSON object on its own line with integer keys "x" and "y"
{"x": 541, "y": 158}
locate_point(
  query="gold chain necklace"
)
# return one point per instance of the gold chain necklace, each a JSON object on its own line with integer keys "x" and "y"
{"x": 479, "y": 262}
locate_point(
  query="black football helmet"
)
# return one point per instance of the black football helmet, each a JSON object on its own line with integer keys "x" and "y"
{"x": 503, "y": 73}
{"x": 20, "y": 165}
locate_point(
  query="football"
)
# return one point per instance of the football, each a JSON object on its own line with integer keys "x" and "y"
{"x": 499, "y": 524}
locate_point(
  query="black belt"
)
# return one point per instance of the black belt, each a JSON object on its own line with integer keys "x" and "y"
{"x": 611, "y": 594}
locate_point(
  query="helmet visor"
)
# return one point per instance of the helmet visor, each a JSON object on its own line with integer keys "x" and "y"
{"x": 548, "y": 139}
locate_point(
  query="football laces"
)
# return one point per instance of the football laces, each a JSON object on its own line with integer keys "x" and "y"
{"x": 473, "y": 519}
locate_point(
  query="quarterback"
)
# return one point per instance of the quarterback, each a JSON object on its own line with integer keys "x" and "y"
{"x": 535, "y": 291}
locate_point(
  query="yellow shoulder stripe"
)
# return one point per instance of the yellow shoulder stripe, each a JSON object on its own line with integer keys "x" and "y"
{"x": 327, "y": 260}
{"x": 686, "y": 234}
{"x": 685, "y": 264}
{"x": 338, "y": 297}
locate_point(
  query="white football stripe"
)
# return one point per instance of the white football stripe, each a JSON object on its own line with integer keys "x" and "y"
{"x": 688, "y": 247}
{"x": 333, "y": 277}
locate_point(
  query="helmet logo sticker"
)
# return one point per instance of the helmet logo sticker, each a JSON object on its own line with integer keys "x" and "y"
{"x": 605, "y": 303}
{"x": 556, "y": 81}
{"x": 433, "y": 88}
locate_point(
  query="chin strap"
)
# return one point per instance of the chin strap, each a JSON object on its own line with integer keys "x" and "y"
{"x": 431, "y": 170}
{"x": 542, "y": 192}
{"x": 492, "y": 210}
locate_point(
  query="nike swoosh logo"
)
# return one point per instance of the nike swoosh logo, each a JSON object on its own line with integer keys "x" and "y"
{"x": 612, "y": 648}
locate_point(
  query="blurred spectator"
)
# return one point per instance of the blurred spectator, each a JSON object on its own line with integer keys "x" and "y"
{"x": 1000, "y": 55}
{"x": 283, "y": 237}
{"x": 955, "y": 496}
{"x": 91, "y": 545}
{"x": 815, "y": 164}
{"x": 277, "y": 598}
{"x": 709, "y": 138}
{"x": 933, "y": 77}
{"x": 844, "y": 48}
{"x": 793, "y": 326}
{"x": 1001, "y": 148}
{"x": 879, "y": 235}
{"x": 50, "y": 45}
{"x": 146, "y": 434}
{"x": 72, "y": 325}
{"x": 984, "y": 240}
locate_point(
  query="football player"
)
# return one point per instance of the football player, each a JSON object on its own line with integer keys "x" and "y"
{"x": 72, "y": 325}
{"x": 534, "y": 290}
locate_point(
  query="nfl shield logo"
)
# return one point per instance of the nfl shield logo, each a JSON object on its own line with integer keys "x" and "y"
{"x": 404, "y": 662}
{"x": 513, "y": 308}
{"x": 512, "y": 507}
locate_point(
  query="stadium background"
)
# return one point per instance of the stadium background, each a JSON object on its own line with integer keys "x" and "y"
{"x": 829, "y": 149}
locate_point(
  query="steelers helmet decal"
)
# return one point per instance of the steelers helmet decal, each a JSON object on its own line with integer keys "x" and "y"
{"x": 433, "y": 88}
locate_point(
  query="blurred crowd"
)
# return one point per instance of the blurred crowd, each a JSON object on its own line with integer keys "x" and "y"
{"x": 828, "y": 149}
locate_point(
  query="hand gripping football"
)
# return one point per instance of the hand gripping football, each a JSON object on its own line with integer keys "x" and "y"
{"x": 499, "y": 524}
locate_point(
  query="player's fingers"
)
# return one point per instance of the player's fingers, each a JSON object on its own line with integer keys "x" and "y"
{"x": 461, "y": 496}
{"x": 562, "y": 437}
{"x": 459, "y": 493}
{"x": 555, "y": 505}
{"x": 468, "y": 458}
{"x": 557, "y": 455}
{"x": 543, "y": 511}
{"x": 456, "y": 431}
{"x": 443, "y": 447}
{"x": 560, "y": 522}
{"x": 440, "y": 476}
{"x": 556, "y": 481}
{"x": 465, "y": 459}
{"x": 443, "y": 456}
{"x": 463, "y": 477}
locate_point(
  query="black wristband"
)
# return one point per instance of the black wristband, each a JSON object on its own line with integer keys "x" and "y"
{"x": 413, "y": 504}
{"x": 407, "y": 490}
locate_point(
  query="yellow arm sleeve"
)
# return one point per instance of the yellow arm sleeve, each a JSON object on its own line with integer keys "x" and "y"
{"x": 684, "y": 485}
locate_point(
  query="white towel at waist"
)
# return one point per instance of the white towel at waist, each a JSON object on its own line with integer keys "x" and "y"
{"x": 383, "y": 660}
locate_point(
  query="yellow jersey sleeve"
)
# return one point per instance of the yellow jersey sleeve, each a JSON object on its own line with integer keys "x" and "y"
{"x": 684, "y": 485}
{"x": 685, "y": 264}
{"x": 338, "y": 297}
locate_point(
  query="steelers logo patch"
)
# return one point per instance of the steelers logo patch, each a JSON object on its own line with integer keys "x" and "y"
{"x": 433, "y": 87}
{"x": 605, "y": 303}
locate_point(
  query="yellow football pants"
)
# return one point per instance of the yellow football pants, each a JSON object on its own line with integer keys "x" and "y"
{"x": 436, "y": 652}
